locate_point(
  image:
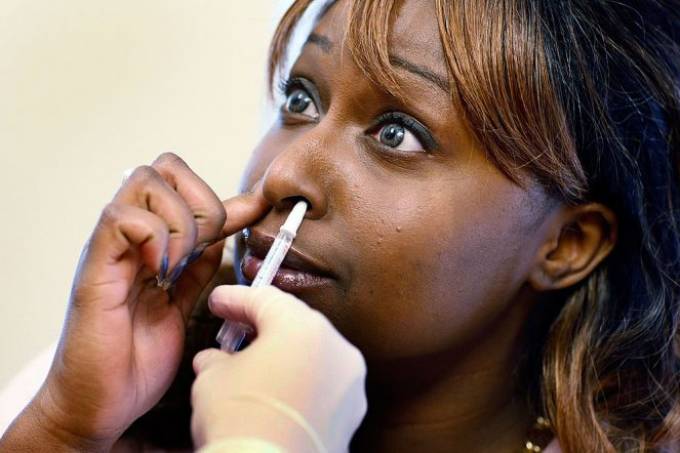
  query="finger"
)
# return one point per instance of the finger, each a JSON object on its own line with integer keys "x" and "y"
{"x": 120, "y": 229}
{"x": 126, "y": 174}
{"x": 146, "y": 189}
{"x": 244, "y": 210}
{"x": 262, "y": 308}
{"x": 206, "y": 207}
{"x": 196, "y": 277}
{"x": 207, "y": 358}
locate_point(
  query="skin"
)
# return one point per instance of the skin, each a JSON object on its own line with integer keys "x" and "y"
{"x": 123, "y": 337}
{"x": 436, "y": 257}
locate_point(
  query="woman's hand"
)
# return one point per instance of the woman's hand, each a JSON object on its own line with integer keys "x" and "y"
{"x": 123, "y": 336}
{"x": 299, "y": 384}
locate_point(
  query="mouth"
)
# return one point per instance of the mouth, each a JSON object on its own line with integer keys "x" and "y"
{"x": 298, "y": 273}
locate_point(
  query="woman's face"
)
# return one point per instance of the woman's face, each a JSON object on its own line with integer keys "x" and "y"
{"x": 415, "y": 243}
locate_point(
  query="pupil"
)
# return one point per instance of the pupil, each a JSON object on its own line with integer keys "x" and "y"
{"x": 392, "y": 135}
{"x": 298, "y": 101}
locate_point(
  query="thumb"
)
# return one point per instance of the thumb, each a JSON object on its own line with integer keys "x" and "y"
{"x": 207, "y": 358}
{"x": 263, "y": 308}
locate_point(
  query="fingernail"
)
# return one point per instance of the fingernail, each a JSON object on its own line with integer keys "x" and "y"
{"x": 126, "y": 174}
{"x": 164, "y": 267}
{"x": 174, "y": 276}
{"x": 167, "y": 282}
{"x": 196, "y": 254}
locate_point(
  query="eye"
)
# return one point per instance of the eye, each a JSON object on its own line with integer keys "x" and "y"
{"x": 301, "y": 97}
{"x": 398, "y": 137}
{"x": 402, "y": 132}
{"x": 299, "y": 102}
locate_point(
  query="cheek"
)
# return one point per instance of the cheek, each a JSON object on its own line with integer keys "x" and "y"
{"x": 433, "y": 270}
{"x": 428, "y": 263}
{"x": 266, "y": 151}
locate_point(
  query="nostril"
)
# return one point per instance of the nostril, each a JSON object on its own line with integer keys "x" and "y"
{"x": 288, "y": 203}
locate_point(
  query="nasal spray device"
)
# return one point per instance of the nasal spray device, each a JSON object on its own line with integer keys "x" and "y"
{"x": 232, "y": 334}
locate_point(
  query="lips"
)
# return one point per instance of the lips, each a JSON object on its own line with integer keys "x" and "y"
{"x": 298, "y": 273}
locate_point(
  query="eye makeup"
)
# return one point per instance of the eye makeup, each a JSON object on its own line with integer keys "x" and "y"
{"x": 286, "y": 86}
{"x": 408, "y": 122}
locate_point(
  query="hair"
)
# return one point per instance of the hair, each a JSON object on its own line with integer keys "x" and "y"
{"x": 583, "y": 96}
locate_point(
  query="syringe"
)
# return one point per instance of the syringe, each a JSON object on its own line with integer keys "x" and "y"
{"x": 232, "y": 334}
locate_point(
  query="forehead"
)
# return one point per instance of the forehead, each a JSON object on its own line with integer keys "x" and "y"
{"x": 415, "y": 31}
{"x": 413, "y": 34}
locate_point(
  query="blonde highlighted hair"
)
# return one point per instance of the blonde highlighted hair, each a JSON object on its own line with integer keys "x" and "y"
{"x": 583, "y": 97}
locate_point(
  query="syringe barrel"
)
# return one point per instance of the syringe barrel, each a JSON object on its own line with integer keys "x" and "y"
{"x": 232, "y": 334}
{"x": 274, "y": 258}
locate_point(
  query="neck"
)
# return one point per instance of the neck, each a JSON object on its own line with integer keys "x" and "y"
{"x": 451, "y": 401}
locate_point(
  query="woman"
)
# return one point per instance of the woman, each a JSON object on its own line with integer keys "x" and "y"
{"x": 494, "y": 195}
{"x": 493, "y": 221}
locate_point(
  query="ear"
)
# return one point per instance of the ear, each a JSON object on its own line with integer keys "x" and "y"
{"x": 578, "y": 239}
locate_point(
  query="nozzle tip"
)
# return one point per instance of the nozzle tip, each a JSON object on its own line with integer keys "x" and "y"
{"x": 295, "y": 217}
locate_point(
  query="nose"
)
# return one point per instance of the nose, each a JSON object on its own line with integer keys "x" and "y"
{"x": 299, "y": 172}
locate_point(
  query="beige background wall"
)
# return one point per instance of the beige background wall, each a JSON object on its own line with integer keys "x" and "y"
{"x": 89, "y": 88}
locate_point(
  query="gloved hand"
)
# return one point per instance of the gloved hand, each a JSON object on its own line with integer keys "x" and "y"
{"x": 299, "y": 384}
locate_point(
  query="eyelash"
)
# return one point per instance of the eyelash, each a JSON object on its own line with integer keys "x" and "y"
{"x": 410, "y": 123}
{"x": 286, "y": 85}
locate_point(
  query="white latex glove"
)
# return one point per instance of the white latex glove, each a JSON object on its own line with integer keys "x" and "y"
{"x": 299, "y": 384}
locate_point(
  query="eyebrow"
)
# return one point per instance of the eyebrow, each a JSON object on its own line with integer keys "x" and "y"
{"x": 326, "y": 45}
{"x": 425, "y": 73}
{"x": 323, "y": 42}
